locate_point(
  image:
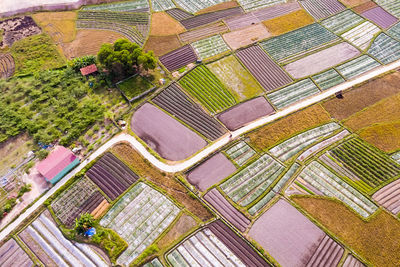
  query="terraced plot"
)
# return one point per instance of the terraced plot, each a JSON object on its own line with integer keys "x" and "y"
{"x": 380, "y": 17}
{"x": 240, "y": 153}
{"x": 139, "y": 217}
{"x": 193, "y": 6}
{"x": 210, "y": 47}
{"x": 178, "y": 58}
{"x": 202, "y": 32}
{"x": 215, "y": 245}
{"x": 202, "y": 84}
{"x": 328, "y": 79}
{"x": 179, "y": 14}
{"x": 342, "y": 21}
{"x": 263, "y": 68}
{"x": 11, "y": 254}
{"x": 392, "y": 6}
{"x": 251, "y": 182}
{"x": 361, "y": 35}
{"x": 208, "y": 18}
{"x": 256, "y": 4}
{"x": 128, "y": 6}
{"x": 294, "y": 44}
{"x": 321, "y": 9}
{"x": 289, "y": 148}
{"x": 293, "y": 93}
{"x": 81, "y": 197}
{"x": 385, "y": 49}
{"x": 389, "y": 197}
{"x": 162, "y": 5}
{"x": 275, "y": 189}
{"x": 47, "y": 242}
{"x": 367, "y": 162}
{"x": 7, "y": 65}
{"x": 316, "y": 179}
{"x": 111, "y": 175}
{"x": 173, "y": 100}
{"x": 357, "y": 66}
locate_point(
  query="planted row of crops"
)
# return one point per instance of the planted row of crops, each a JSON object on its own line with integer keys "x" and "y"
{"x": 320, "y": 9}
{"x": 294, "y": 145}
{"x": 367, "y": 162}
{"x": 394, "y": 31}
{"x": 7, "y": 65}
{"x": 240, "y": 153}
{"x": 275, "y": 189}
{"x": 154, "y": 263}
{"x": 256, "y": 4}
{"x": 11, "y": 254}
{"x": 200, "y": 33}
{"x": 128, "y": 6}
{"x": 162, "y": 5}
{"x": 81, "y": 197}
{"x": 328, "y": 79}
{"x": 361, "y": 35}
{"x": 328, "y": 184}
{"x": 357, "y": 66}
{"x": 193, "y": 6}
{"x": 385, "y": 49}
{"x": 178, "y": 14}
{"x": 202, "y": 84}
{"x": 49, "y": 245}
{"x": 210, "y": 47}
{"x": 342, "y": 21}
{"x": 176, "y": 102}
{"x": 393, "y": 6}
{"x": 293, "y": 93}
{"x": 208, "y": 18}
{"x": 296, "y": 43}
{"x": 389, "y": 197}
{"x": 396, "y": 156}
{"x": 178, "y": 58}
{"x": 252, "y": 181}
{"x": 111, "y": 175}
{"x": 139, "y": 217}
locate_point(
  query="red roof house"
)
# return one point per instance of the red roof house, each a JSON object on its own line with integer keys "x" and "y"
{"x": 58, "y": 163}
{"x": 89, "y": 69}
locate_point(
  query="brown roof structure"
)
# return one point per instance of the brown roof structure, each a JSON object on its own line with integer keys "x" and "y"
{"x": 88, "y": 70}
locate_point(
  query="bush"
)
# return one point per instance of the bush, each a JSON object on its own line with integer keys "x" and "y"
{"x": 24, "y": 189}
{"x": 85, "y": 222}
{"x": 42, "y": 154}
{"x": 77, "y": 63}
{"x": 113, "y": 244}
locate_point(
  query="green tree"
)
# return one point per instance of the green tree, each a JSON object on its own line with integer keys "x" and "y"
{"x": 84, "y": 222}
{"x": 148, "y": 61}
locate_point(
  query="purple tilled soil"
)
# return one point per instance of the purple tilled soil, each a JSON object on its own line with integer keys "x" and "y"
{"x": 179, "y": 14}
{"x": 321, "y": 9}
{"x": 321, "y": 60}
{"x": 207, "y": 18}
{"x": 16, "y": 29}
{"x": 169, "y": 138}
{"x": 263, "y": 68}
{"x": 11, "y": 254}
{"x": 211, "y": 171}
{"x": 241, "y": 21}
{"x": 389, "y": 197}
{"x": 237, "y": 245}
{"x": 287, "y": 235}
{"x": 241, "y": 114}
{"x": 202, "y": 32}
{"x": 217, "y": 200}
{"x": 178, "y": 58}
{"x": 352, "y": 262}
{"x": 380, "y": 17}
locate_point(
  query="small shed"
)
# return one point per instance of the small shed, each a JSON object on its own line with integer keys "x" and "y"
{"x": 89, "y": 70}
{"x": 57, "y": 164}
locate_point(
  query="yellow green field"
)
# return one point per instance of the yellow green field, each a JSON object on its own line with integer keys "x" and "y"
{"x": 288, "y": 22}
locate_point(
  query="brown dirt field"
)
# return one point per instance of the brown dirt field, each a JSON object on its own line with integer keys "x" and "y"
{"x": 363, "y": 96}
{"x": 353, "y": 3}
{"x": 13, "y": 150}
{"x": 100, "y": 210}
{"x": 162, "y": 44}
{"x": 218, "y": 7}
{"x": 288, "y": 22}
{"x": 165, "y": 181}
{"x": 377, "y": 240}
{"x": 184, "y": 224}
{"x": 246, "y": 36}
{"x": 88, "y": 42}
{"x": 385, "y": 136}
{"x": 59, "y": 25}
{"x": 163, "y": 24}
{"x": 267, "y": 136}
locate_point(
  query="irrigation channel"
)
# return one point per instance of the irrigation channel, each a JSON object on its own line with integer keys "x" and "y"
{"x": 182, "y": 165}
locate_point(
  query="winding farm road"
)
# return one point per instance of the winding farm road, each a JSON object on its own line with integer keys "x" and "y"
{"x": 203, "y": 153}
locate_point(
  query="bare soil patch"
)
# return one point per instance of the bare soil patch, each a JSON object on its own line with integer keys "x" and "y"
{"x": 266, "y": 136}
{"x": 376, "y": 239}
{"x": 88, "y": 42}
{"x": 211, "y": 171}
{"x": 13, "y": 151}
{"x": 17, "y": 28}
{"x": 165, "y": 181}
{"x": 363, "y": 96}
{"x": 184, "y": 224}
{"x": 246, "y": 36}
{"x": 364, "y": 7}
{"x": 218, "y": 7}
{"x": 353, "y": 3}
{"x": 163, "y": 24}
{"x": 288, "y": 22}
{"x": 161, "y": 45}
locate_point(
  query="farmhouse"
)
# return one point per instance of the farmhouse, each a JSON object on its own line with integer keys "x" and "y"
{"x": 57, "y": 164}
{"x": 89, "y": 70}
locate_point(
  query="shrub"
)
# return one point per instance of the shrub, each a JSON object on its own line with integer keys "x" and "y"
{"x": 42, "y": 154}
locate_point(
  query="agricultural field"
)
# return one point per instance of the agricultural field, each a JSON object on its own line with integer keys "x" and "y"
{"x": 321, "y": 9}
{"x": 50, "y": 246}
{"x": 162, "y": 5}
{"x": 128, "y": 6}
{"x": 210, "y": 172}
{"x": 361, "y": 35}
{"x": 195, "y": 6}
{"x": 257, "y": 4}
{"x": 178, "y": 58}
{"x": 140, "y": 217}
{"x": 357, "y": 66}
{"x": 7, "y": 66}
{"x": 390, "y": 5}
{"x": 342, "y": 22}
{"x": 161, "y": 45}
{"x": 203, "y": 85}
{"x": 288, "y": 22}
{"x": 251, "y": 181}
{"x": 16, "y": 29}
{"x": 178, "y": 143}
{"x": 218, "y": 7}
{"x": 240, "y": 153}
{"x": 134, "y": 86}
{"x": 389, "y": 197}
{"x": 385, "y": 49}
{"x": 179, "y": 14}
{"x": 380, "y": 17}
{"x": 175, "y": 101}
{"x": 207, "y": 18}
{"x": 327, "y": 79}
{"x": 246, "y": 36}
{"x": 111, "y": 175}
{"x": 154, "y": 263}
{"x": 210, "y": 47}
{"x": 11, "y": 254}
{"x": 203, "y": 32}
{"x": 163, "y": 25}
{"x": 293, "y": 93}
{"x": 394, "y": 31}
